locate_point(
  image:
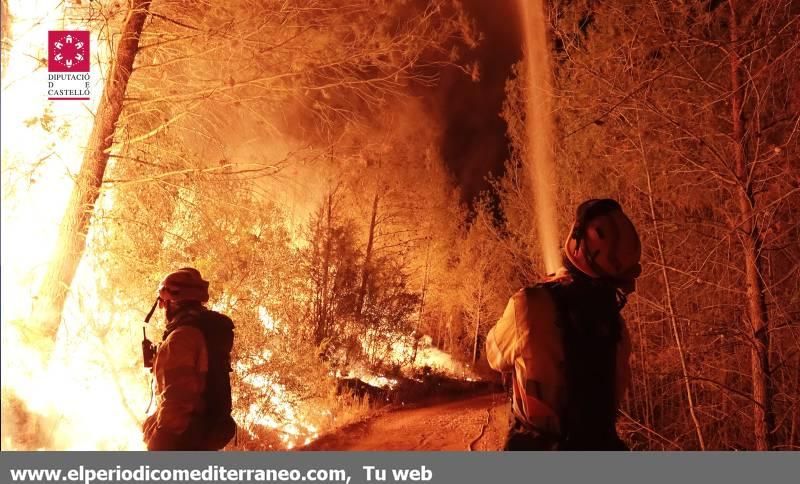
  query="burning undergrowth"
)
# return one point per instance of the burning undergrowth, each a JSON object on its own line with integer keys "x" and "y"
{"x": 406, "y": 369}
{"x": 30, "y": 428}
{"x": 339, "y": 264}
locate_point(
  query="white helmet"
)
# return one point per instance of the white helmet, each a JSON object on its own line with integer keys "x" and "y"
{"x": 603, "y": 242}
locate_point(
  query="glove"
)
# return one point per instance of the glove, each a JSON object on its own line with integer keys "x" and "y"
{"x": 148, "y": 353}
{"x": 148, "y": 427}
{"x": 163, "y": 439}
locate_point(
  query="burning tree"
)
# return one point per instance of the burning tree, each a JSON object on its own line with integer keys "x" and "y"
{"x": 226, "y": 108}
{"x": 75, "y": 225}
{"x": 483, "y": 270}
{"x": 329, "y": 62}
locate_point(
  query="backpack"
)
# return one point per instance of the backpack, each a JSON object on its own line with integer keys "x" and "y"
{"x": 587, "y": 313}
{"x": 217, "y": 424}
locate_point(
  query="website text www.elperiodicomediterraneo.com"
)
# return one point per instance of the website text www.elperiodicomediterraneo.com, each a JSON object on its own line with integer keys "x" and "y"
{"x": 211, "y": 473}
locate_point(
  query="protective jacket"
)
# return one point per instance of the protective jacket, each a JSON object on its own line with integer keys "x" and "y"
{"x": 192, "y": 384}
{"x": 569, "y": 360}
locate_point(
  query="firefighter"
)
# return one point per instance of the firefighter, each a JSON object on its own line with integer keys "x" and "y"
{"x": 191, "y": 369}
{"x": 565, "y": 343}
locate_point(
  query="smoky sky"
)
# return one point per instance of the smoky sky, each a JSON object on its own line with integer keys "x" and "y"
{"x": 474, "y": 142}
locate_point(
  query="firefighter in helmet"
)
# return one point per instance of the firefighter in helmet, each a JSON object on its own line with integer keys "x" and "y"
{"x": 565, "y": 343}
{"x": 190, "y": 367}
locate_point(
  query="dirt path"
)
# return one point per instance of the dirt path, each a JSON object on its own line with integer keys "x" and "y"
{"x": 477, "y": 423}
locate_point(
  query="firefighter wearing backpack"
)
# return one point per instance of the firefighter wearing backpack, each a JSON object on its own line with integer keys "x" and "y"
{"x": 564, "y": 340}
{"x": 191, "y": 369}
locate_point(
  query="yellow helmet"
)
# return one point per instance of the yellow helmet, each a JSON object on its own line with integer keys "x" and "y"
{"x": 185, "y": 284}
{"x": 603, "y": 242}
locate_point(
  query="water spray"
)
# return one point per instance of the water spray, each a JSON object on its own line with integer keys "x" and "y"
{"x": 539, "y": 129}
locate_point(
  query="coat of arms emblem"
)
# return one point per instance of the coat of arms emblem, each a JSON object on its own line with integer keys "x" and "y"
{"x": 68, "y": 51}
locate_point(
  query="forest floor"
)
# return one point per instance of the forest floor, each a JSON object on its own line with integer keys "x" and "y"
{"x": 474, "y": 423}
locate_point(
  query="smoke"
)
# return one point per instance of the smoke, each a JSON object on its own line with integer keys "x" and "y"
{"x": 474, "y": 142}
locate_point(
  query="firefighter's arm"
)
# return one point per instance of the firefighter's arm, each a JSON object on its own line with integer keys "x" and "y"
{"x": 502, "y": 339}
{"x": 623, "y": 362}
{"x": 179, "y": 370}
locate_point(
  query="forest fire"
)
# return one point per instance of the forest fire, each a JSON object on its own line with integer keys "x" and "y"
{"x": 296, "y": 170}
{"x": 274, "y": 409}
{"x": 51, "y": 399}
{"x": 411, "y": 358}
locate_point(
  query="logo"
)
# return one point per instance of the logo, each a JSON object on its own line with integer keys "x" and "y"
{"x": 68, "y": 65}
{"x": 68, "y": 51}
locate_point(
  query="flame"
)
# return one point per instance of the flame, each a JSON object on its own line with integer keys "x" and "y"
{"x": 275, "y": 411}
{"x": 401, "y": 352}
{"x": 90, "y": 394}
{"x": 81, "y": 397}
{"x": 270, "y": 324}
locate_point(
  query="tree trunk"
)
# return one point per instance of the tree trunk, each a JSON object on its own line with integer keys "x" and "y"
{"x": 75, "y": 223}
{"x": 322, "y": 323}
{"x": 792, "y": 441}
{"x": 751, "y": 248}
{"x": 423, "y": 292}
{"x": 5, "y": 31}
{"x": 647, "y": 404}
{"x": 316, "y": 263}
{"x": 477, "y": 325}
{"x": 671, "y": 314}
{"x": 362, "y": 290}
